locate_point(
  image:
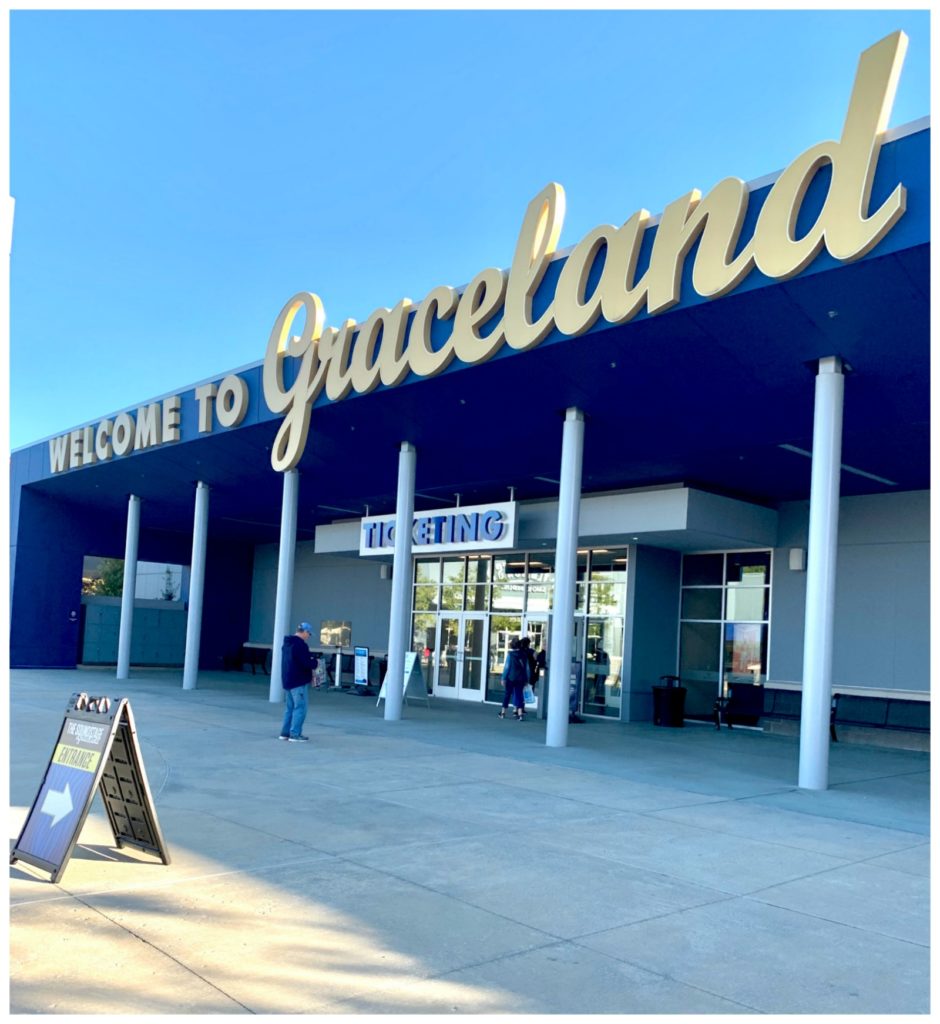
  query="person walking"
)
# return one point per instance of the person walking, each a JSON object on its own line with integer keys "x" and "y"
{"x": 297, "y": 667}
{"x": 515, "y": 676}
{"x": 525, "y": 645}
{"x": 532, "y": 668}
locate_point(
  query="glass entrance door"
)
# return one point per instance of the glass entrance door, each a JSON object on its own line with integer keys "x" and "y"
{"x": 535, "y": 627}
{"x": 460, "y": 669}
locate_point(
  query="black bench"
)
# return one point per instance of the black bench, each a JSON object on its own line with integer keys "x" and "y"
{"x": 851, "y": 710}
{"x": 743, "y": 704}
{"x": 257, "y": 657}
{"x": 787, "y": 705}
{"x": 881, "y": 713}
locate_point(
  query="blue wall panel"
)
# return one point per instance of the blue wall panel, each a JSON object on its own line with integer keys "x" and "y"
{"x": 53, "y": 538}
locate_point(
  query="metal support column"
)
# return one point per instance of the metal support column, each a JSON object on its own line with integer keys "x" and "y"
{"x": 285, "y": 579}
{"x": 821, "y": 575}
{"x": 566, "y": 567}
{"x": 129, "y": 587}
{"x": 197, "y": 580}
{"x": 400, "y": 618}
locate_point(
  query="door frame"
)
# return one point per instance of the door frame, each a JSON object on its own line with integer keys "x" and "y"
{"x": 459, "y": 691}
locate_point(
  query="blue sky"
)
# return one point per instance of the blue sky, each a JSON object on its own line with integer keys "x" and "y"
{"x": 179, "y": 175}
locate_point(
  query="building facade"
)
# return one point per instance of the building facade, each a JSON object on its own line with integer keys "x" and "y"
{"x": 693, "y": 445}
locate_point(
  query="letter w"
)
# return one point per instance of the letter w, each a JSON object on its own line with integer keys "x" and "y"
{"x": 58, "y": 453}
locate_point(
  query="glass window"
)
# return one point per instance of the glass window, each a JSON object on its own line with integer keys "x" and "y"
{"x": 748, "y": 568}
{"x": 478, "y": 575}
{"x": 452, "y": 597}
{"x": 748, "y": 604}
{"x": 541, "y": 575}
{"x": 609, "y": 565}
{"x": 701, "y": 603}
{"x": 508, "y": 583}
{"x": 428, "y": 570}
{"x": 732, "y": 645}
{"x": 426, "y": 599}
{"x": 603, "y": 662}
{"x": 454, "y": 570}
{"x": 478, "y": 569}
{"x": 699, "y": 666}
{"x": 700, "y": 645}
{"x": 424, "y": 628}
{"x": 703, "y": 570}
{"x": 746, "y": 652}
{"x": 607, "y": 598}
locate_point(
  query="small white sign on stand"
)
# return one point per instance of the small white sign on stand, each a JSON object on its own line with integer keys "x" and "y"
{"x": 412, "y": 682}
{"x": 361, "y": 661}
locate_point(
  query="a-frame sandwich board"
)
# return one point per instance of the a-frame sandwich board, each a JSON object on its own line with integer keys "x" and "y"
{"x": 97, "y": 750}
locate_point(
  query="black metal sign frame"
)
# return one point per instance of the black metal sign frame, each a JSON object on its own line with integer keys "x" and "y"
{"x": 96, "y": 750}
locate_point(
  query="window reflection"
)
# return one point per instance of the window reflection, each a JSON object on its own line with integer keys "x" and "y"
{"x": 427, "y": 570}
{"x": 512, "y": 585}
{"x": 602, "y": 665}
{"x": 732, "y": 646}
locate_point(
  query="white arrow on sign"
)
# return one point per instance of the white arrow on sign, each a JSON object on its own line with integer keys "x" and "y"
{"x": 57, "y": 804}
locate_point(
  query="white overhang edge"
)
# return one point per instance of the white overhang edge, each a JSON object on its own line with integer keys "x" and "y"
{"x": 675, "y": 517}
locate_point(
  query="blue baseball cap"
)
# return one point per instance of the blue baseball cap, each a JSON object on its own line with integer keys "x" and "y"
{"x": 305, "y": 627}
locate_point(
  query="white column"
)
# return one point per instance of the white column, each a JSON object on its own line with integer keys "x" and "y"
{"x": 566, "y": 568}
{"x": 130, "y": 585}
{"x": 197, "y": 580}
{"x": 821, "y": 575}
{"x": 285, "y": 579}
{"x": 400, "y": 618}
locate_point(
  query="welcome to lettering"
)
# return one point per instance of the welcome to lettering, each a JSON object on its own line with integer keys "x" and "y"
{"x": 392, "y": 343}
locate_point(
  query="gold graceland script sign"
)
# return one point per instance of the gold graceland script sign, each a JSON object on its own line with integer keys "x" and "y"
{"x": 385, "y": 348}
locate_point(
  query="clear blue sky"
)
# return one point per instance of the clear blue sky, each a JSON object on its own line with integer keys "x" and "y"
{"x": 179, "y": 175}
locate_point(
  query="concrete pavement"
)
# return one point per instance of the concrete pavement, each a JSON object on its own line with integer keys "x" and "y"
{"x": 451, "y": 863}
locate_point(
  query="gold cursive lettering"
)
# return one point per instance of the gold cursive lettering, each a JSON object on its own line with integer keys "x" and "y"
{"x": 844, "y": 227}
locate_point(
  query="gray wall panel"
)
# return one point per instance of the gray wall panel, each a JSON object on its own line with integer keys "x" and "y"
{"x": 882, "y": 629}
{"x": 650, "y": 648}
{"x": 325, "y": 587}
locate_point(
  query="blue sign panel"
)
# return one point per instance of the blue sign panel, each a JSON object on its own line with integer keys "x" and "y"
{"x": 66, "y": 790}
{"x": 97, "y": 747}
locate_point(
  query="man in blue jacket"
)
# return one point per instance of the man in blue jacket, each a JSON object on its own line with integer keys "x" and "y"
{"x": 297, "y": 665}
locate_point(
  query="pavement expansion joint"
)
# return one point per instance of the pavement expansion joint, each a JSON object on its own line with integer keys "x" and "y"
{"x": 160, "y": 951}
{"x": 750, "y": 896}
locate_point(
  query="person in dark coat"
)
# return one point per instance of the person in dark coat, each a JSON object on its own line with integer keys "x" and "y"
{"x": 515, "y": 676}
{"x": 525, "y": 645}
{"x": 297, "y": 665}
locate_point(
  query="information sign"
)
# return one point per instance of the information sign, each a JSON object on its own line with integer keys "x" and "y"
{"x": 361, "y": 667}
{"x": 97, "y": 750}
{"x": 412, "y": 683}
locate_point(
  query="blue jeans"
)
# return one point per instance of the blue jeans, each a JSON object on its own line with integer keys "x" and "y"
{"x": 295, "y": 711}
{"x": 514, "y": 693}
